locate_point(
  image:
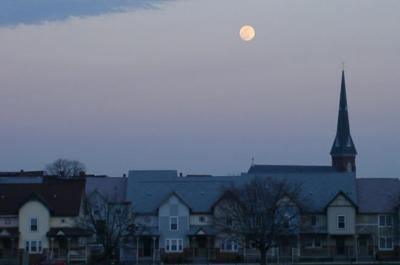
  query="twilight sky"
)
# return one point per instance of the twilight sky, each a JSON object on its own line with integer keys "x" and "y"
{"x": 142, "y": 84}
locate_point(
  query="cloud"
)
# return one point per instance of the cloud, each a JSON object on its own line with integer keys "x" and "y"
{"x": 15, "y": 12}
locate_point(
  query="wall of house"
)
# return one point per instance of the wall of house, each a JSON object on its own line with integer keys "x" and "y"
{"x": 32, "y": 209}
{"x": 341, "y": 206}
{"x": 196, "y": 219}
{"x": 62, "y": 222}
{"x": 173, "y": 206}
{"x": 8, "y": 221}
{"x": 147, "y": 220}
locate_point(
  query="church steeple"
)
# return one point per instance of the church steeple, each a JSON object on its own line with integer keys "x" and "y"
{"x": 343, "y": 151}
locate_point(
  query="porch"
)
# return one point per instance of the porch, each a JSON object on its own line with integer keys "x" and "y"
{"x": 343, "y": 247}
{"x": 202, "y": 244}
{"x": 68, "y": 244}
{"x": 9, "y": 252}
{"x": 144, "y": 247}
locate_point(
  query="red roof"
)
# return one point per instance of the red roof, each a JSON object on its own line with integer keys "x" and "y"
{"x": 63, "y": 198}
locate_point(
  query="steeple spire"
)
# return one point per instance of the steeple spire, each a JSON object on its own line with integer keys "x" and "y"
{"x": 343, "y": 151}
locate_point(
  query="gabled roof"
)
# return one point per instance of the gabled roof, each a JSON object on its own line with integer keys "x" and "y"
{"x": 148, "y": 189}
{"x": 174, "y": 193}
{"x": 378, "y": 195}
{"x": 9, "y": 232}
{"x": 195, "y": 230}
{"x": 341, "y": 193}
{"x": 35, "y": 196}
{"x": 68, "y": 232}
{"x": 62, "y": 197}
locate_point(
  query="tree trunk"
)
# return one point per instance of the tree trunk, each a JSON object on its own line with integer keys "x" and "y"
{"x": 263, "y": 253}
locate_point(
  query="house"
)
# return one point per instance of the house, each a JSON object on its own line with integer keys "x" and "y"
{"x": 39, "y": 221}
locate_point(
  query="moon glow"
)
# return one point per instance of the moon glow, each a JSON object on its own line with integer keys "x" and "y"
{"x": 247, "y": 33}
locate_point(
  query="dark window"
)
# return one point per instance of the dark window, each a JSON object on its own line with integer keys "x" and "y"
{"x": 34, "y": 224}
{"x": 173, "y": 223}
{"x": 341, "y": 223}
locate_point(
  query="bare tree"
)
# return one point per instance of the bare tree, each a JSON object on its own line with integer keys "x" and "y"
{"x": 261, "y": 212}
{"x": 65, "y": 168}
{"x": 111, "y": 222}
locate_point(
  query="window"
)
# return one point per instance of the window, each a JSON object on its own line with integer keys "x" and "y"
{"x": 385, "y": 243}
{"x": 33, "y": 246}
{"x": 313, "y": 243}
{"x": 341, "y": 222}
{"x": 385, "y": 220}
{"x": 202, "y": 219}
{"x": 173, "y": 245}
{"x": 7, "y": 221}
{"x": 34, "y": 224}
{"x": 173, "y": 223}
{"x": 313, "y": 220}
{"x": 229, "y": 245}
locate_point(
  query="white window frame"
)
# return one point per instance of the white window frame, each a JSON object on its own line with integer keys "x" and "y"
{"x": 170, "y": 223}
{"x": 344, "y": 222}
{"x": 38, "y": 245}
{"x": 179, "y": 245}
{"x": 386, "y": 243}
{"x": 233, "y": 243}
{"x": 385, "y": 219}
{"x": 37, "y": 224}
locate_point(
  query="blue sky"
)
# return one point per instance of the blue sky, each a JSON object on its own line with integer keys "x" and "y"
{"x": 120, "y": 85}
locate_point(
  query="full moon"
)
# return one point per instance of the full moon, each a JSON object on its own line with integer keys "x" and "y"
{"x": 247, "y": 33}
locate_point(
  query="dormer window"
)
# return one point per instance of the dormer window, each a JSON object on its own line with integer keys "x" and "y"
{"x": 34, "y": 225}
{"x": 173, "y": 223}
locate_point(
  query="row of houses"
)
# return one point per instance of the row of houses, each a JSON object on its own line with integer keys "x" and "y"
{"x": 348, "y": 217}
